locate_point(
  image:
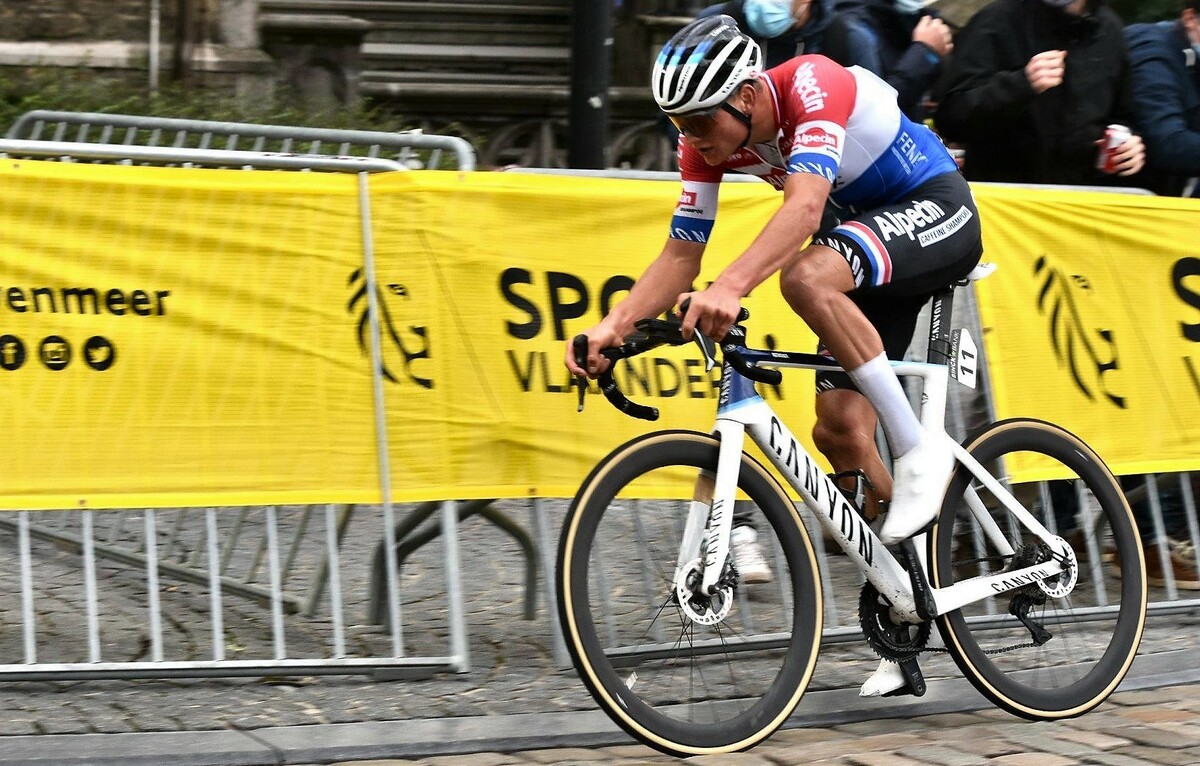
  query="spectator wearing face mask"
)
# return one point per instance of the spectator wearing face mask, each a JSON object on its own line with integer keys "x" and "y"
{"x": 783, "y": 28}
{"x": 1166, "y": 100}
{"x": 897, "y": 40}
{"x": 1031, "y": 88}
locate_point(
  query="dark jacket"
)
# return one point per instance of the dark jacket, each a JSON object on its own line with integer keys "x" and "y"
{"x": 877, "y": 37}
{"x": 776, "y": 50}
{"x": 1010, "y": 134}
{"x": 1166, "y": 104}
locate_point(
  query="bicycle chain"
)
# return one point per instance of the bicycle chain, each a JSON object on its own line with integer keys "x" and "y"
{"x": 881, "y": 643}
{"x": 883, "y": 635}
{"x": 1014, "y": 560}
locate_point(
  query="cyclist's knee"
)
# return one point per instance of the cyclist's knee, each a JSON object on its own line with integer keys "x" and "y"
{"x": 815, "y": 276}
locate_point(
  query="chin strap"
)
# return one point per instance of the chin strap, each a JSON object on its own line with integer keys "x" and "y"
{"x": 742, "y": 117}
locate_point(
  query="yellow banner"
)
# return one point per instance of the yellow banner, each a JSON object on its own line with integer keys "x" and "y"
{"x": 195, "y": 337}
{"x": 488, "y": 275}
{"x": 179, "y": 337}
{"x": 1092, "y": 320}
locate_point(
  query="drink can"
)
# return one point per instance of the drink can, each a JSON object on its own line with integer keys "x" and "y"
{"x": 1114, "y": 136}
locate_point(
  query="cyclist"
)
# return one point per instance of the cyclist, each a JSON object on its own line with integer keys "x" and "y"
{"x": 889, "y": 217}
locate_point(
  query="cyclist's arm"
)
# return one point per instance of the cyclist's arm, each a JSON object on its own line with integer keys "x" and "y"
{"x": 793, "y": 223}
{"x": 670, "y": 274}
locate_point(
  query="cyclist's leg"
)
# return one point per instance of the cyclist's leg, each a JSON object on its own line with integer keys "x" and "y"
{"x": 845, "y": 432}
{"x": 846, "y": 421}
{"x": 907, "y": 248}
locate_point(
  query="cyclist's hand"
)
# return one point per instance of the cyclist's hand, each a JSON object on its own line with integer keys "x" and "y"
{"x": 712, "y": 311}
{"x": 599, "y": 337}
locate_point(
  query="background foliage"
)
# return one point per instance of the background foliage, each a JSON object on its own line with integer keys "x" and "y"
{"x": 80, "y": 90}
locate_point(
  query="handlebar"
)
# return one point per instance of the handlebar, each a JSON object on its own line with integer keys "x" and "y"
{"x": 653, "y": 333}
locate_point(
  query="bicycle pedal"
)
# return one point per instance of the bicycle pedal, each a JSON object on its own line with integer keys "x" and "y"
{"x": 914, "y": 680}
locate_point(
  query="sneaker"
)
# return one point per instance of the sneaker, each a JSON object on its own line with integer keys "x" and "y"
{"x": 748, "y": 556}
{"x": 1183, "y": 565}
{"x": 887, "y": 678}
{"x": 919, "y": 478}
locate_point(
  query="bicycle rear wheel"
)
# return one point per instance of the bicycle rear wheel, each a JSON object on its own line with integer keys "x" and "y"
{"x": 678, "y": 685}
{"x": 1093, "y": 628}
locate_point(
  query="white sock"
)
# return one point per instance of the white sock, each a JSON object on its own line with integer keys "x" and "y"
{"x": 876, "y": 380}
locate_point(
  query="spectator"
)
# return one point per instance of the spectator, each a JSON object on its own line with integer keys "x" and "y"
{"x": 897, "y": 40}
{"x": 1173, "y": 511}
{"x": 784, "y": 28}
{"x": 1031, "y": 88}
{"x": 1166, "y": 100}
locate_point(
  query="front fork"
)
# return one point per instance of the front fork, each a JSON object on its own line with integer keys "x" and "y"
{"x": 710, "y": 516}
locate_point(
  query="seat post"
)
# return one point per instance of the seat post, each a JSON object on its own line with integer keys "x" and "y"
{"x": 942, "y": 309}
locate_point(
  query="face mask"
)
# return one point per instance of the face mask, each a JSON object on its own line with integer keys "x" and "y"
{"x": 911, "y": 6}
{"x": 1058, "y": 3}
{"x": 768, "y": 18}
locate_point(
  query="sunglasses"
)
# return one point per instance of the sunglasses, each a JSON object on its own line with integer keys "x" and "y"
{"x": 699, "y": 124}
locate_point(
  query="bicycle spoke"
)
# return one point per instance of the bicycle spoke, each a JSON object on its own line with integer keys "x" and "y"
{"x": 1092, "y": 614}
{"x": 683, "y": 659}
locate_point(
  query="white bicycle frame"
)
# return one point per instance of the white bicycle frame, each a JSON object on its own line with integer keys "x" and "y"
{"x": 742, "y": 411}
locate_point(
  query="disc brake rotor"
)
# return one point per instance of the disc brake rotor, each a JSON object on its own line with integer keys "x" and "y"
{"x": 699, "y": 607}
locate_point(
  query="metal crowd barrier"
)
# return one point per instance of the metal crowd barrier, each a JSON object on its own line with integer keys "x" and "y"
{"x": 309, "y": 567}
{"x": 309, "y": 564}
{"x": 414, "y": 149}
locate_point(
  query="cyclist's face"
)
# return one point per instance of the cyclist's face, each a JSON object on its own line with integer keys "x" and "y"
{"x": 696, "y": 125}
{"x": 714, "y": 133}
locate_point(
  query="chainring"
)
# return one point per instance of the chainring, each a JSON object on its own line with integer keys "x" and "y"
{"x": 889, "y": 640}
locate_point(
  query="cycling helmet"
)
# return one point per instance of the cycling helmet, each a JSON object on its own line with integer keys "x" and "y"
{"x": 703, "y": 64}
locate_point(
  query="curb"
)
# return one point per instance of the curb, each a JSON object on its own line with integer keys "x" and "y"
{"x": 430, "y": 737}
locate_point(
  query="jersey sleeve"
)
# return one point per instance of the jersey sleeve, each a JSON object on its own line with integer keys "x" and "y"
{"x": 696, "y": 209}
{"x": 824, "y": 93}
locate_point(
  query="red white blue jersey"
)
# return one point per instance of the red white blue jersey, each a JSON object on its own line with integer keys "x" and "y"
{"x": 837, "y": 122}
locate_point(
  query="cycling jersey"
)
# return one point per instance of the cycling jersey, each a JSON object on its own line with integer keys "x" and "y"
{"x": 837, "y": 122}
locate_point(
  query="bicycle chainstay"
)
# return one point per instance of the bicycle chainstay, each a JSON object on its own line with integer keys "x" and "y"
{"x": 1027, "y": 556}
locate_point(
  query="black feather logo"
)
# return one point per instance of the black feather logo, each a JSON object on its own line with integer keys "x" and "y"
{"x": 1088, "y": 355}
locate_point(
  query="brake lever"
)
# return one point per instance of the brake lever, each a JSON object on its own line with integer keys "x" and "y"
{"x": 707, "y": 347}
{"x": 579, "y": 346}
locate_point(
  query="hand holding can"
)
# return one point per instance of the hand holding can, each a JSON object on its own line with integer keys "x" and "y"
{"x": 1114, "y": 136}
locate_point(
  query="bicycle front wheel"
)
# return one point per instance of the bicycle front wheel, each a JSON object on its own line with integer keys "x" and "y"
{"x": 684, "y": 685}
{"x": 1049, "y": 649}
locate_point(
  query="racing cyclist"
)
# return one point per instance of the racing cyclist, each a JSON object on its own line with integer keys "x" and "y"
{"x": 890, "y": 220}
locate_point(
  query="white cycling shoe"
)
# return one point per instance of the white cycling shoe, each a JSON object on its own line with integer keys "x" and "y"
{"x": 887, "y": 678}
{"x": 919, "y": 478}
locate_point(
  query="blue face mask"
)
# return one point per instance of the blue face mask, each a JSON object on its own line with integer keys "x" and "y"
{"x": 910, "y": 6}
{"x": 768, "y": 18}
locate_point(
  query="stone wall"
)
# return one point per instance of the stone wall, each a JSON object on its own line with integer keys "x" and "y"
{"x": 52, "y": 20}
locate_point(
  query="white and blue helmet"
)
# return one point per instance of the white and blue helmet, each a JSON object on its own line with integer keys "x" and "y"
{"x": 703, "y": 64}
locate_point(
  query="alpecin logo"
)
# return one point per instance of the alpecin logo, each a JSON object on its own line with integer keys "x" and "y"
{"x": 359, "y": 305}
{"x": 1088, "y": 354}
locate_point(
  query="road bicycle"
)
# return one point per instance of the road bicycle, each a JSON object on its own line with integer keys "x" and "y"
{"x": 688, "y": 660}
